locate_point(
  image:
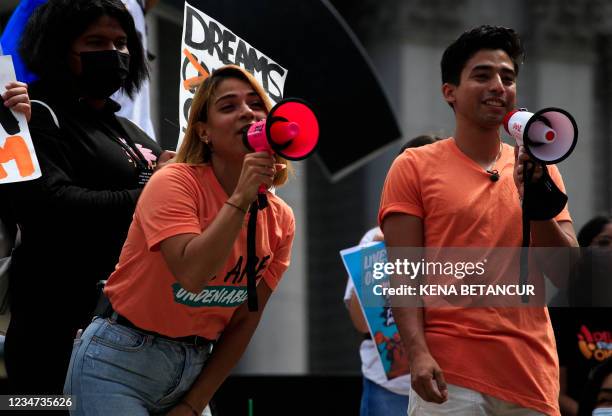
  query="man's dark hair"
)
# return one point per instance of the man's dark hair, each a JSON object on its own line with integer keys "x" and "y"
{"x": 469, "y": 43}
{"x": 419, "y": 141}
{"x": 47, "y": 38}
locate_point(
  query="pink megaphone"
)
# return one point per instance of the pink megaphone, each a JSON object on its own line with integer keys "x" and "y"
{"x": 291, "y": 130}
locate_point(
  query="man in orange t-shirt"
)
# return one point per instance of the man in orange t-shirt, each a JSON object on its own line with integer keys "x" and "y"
{"x": 496, "y": 361}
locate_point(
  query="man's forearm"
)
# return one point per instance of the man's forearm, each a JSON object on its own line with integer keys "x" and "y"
{"x": 409, "y": 322}
{"x": 555, "y": 256}
{"x": 550, "y": 234}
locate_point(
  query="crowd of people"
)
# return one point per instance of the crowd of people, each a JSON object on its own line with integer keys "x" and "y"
{"x": 130, "y": 255}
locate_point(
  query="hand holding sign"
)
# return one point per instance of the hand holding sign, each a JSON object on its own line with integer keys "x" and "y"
{"x": 18, "y": 161}
{"x": 16, "y": 98}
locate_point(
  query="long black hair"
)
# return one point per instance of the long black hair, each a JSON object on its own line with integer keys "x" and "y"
{"x": 47, "y": 38}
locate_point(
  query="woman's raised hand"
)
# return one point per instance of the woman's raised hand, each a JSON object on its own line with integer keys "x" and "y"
{"x": 257, "y": 169}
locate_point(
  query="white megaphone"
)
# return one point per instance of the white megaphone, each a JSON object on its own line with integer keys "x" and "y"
{"x": 549, "y": 135}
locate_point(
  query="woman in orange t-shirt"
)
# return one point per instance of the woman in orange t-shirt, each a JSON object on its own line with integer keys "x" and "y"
{"x": 180, "y": 285}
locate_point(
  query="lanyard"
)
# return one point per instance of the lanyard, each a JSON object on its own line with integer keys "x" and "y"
{"x": 144, "y": 171}
{"x": 128, "y": 145}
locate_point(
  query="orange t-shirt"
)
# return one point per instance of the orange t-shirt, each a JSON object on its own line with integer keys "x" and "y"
{"x": 508, "y": 353}
{"x": 181, "y": 199}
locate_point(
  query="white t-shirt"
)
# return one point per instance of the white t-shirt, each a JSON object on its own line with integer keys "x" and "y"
{"x": 371, "y": 366}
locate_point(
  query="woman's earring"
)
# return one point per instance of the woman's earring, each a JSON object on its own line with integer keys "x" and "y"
{"x": 207, "y": 143}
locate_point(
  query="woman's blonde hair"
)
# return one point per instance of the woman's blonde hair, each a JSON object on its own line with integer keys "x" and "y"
{"x": 193, "y": 150}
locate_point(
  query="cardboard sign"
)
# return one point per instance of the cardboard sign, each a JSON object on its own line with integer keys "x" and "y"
{"x": 18, "y": 160}
{"x": 207, "y": 45}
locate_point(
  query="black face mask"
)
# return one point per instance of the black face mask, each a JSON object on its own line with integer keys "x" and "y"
{"x": 102, "y": 72}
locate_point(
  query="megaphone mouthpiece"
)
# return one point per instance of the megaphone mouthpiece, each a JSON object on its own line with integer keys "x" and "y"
{"x": 541, "y": 133}
{"x": 282, "y": 132}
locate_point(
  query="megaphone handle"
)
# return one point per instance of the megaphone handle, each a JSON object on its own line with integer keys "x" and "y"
{"x": 524, "y": 265}
{"x": 262, "y": 198}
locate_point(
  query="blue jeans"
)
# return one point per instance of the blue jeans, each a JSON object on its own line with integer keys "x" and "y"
{"x": 116, "y": 370}
{"x": 378, "y": 401}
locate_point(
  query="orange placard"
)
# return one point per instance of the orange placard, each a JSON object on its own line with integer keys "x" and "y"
{"x": 15, "y": 148}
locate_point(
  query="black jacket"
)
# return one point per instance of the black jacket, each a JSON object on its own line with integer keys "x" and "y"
{"x": 75, "y": 218}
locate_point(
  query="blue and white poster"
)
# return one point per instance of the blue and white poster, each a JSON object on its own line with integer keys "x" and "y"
{"x": 359, "y": 262}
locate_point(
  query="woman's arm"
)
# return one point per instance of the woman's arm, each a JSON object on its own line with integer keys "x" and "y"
{"x": 195, "y": 258}
{"x": 237, "y": 334}
{"x": 226, "y": 354}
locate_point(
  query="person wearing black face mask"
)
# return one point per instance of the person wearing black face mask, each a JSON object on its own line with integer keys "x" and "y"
{"x": 75, "y": 218}
{"x": 103, "y": 72}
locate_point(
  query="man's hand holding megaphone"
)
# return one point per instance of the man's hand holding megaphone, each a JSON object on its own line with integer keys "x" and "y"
{"x": 522, "y": 159}
{"x": 542, "y": 138}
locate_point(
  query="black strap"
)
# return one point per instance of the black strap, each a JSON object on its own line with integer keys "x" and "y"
{"x": 528, "y": 169}
{"x": 262, "y": 200}
{"x": 252, "y": 258}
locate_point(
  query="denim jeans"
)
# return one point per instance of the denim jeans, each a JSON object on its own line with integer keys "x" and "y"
{"x": 378, "y": 401}
{"x": 117, "y": 370}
